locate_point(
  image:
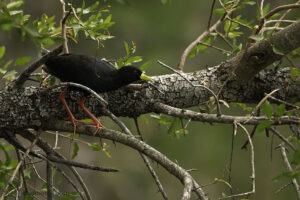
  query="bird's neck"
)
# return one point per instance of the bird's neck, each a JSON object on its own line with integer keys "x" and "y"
{"x": 119, "y": 80}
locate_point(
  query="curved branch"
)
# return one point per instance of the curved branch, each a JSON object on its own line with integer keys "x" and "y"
{"x": 225, "y": 119}
{"x": 134, "y": 143}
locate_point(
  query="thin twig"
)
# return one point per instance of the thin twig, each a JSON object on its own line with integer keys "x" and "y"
{"x": 67, "y": 84}
{"x": 131, "y": 141}
{"x": 214, "y": 47}
{"x": 49, "y": 150}
{"x": 41, "y": 179}
{"x": 288, "y": 166}
{"x": 190, "y": 82}
{"x": 19, "y": 165}
{"x": 70, "y": 181}
{"x": 199, "y": 39}
{"x": 280, "y": 8}
{"x": 283, "y": 187}
{"x": 148, "y": 165}
{"x": 198, "y": 191}
{"x": 22, "y": 177}
{"x": 25, "y": 74}
{"x": 288, "y": 143}
{"x": 283, "y": 102}
{"x": 224, "y": 38}
{"x": 224, "y": 119}
{"x": 63, "y": 26}
{"x": 261, "y": 10}
{"x": 210, "y": 14}
{"x": 231, "y": 154}
{"x": 252, "y": 167}
{"x": 262, "y": 20}
{"x": 239, "y": 23}
{"x": 49, "y": 181}
{"x": 257, "y": 107}
{"x": 280, "y": 21}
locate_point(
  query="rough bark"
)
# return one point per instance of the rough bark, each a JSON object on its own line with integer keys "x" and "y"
{"x": 34, "y": 107}
{"x": 261, "y": 54}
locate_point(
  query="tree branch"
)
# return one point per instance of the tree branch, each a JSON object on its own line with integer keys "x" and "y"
{"x": 25, "y": 74}
{"x": 134, "y": 143}
{"x": 261, "y": 54}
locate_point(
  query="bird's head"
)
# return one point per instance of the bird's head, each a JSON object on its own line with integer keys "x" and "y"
{"x": 130, "y": 74}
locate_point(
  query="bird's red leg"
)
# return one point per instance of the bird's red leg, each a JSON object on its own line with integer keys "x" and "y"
{"x": 96, "y": 121}
{"x": 71, "y": 116}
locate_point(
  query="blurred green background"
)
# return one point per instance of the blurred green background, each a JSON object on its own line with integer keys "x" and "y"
{"x": 162, "y": 32}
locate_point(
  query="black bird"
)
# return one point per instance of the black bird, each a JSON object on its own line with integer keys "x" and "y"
{"x": 92, "y": 72}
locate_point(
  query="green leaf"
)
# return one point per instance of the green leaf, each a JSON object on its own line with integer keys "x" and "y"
{"x": 2, "y": 51}
{"x": 9, "y": 148}
{"x": 277, "y": 50}
{"x": 175, "y": 127}
{"x": 6, "y": 65}
{"x": 75, "y": 150}
{"x": 69, "y": 196}
{"x": 266, "y": 9}
{"x": 295, "y": 73}
{"x": 263, "y": 125}
{"x": 14, "y": 4}
{"x": 296, "y": 157}
{"x": 280, "y": 110}
{"x": 88, "y": 120}
{"x": 95, "y": 146}
{"x": 108, "y": 19}
{"x": 223, "y": 181}
{"x": 257, "y": 37}
{"x": 22, "y": 61}
{"x": 126, "y": 49}
{"x": 145, "y": 66}
{"x": 162, "y": 119}
{"x": 27, "y": 173}
{"x": 236, "y": 47}
{"x": 243, "y": 106}
{"x": 220, "y": 11}
{"x": 144, "y": 118}
{"x": 10, "y": 75}
{"x": 7, "y": 156}
{"x": 230, "y": 26}
{"x": 29, "y": 197}
{"x": 248, "y": 2}
{"x": 275, "y": 16}
{"x": 286, "y": 174}
{"x": 224, "y": 103}
{"x": 268, "y": 109}
{"x": 134, "y": 59}
{"x": 234, "y": 34}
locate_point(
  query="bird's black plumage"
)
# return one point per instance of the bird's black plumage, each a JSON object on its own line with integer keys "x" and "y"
{"x": 91, "y": 72}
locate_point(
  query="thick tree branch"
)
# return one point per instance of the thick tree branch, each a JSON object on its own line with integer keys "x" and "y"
{"x": 261, "y": 54}
{"x": 32, "y": 107}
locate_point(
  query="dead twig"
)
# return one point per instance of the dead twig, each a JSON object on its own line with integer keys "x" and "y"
{"x": 19, "y": 165}
{"x": 288, "y": 166}
{"x": 252, "y": 167}
{"x": 25, "y": 74}
{"x": 148, "y": 165}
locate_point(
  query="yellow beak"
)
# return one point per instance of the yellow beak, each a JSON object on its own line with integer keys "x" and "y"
{"x": 145, "y": 77}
